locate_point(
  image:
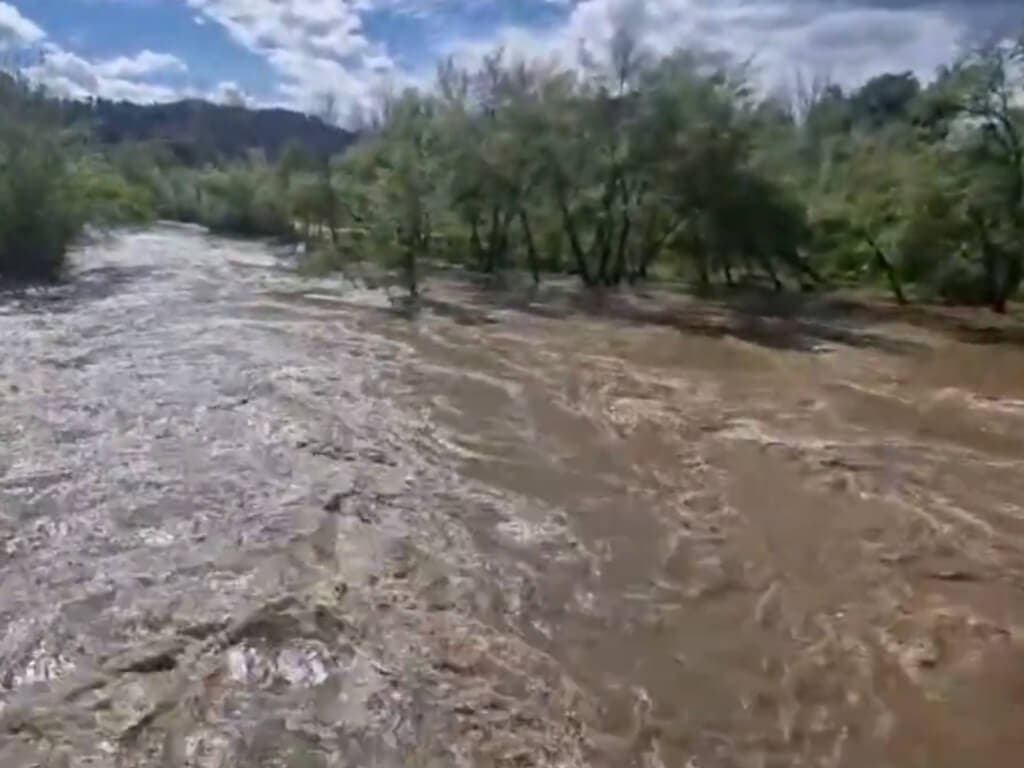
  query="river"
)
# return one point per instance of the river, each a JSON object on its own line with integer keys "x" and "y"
{"x": 251, "y": 520}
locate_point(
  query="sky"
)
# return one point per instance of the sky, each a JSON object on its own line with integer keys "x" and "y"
{"x": 292, "y": 52}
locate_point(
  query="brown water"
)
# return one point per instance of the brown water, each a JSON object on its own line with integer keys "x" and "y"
{"x": 251, "y": 521}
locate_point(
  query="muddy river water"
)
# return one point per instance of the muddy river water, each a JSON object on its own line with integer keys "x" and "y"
{"x": 247, "y": 520}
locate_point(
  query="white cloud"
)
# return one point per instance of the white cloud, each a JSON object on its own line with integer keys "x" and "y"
{"x": 324, "y": 28}
{"x": 315, "y": 46}
{"x": 231, "y": 94}
{"x": 16, "y": 29}
{"x": 72, "y": 76}
{"x": 780, "y": 37}
{"x": 142, "y": 64}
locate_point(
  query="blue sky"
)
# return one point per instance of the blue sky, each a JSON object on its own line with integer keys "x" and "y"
{"x": 291, "y": 52}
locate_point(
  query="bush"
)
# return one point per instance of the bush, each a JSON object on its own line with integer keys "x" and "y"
{"x": 959, "y": 281}
{"x": 40, "y": 209}
{"x": 179, "y": 196}
{"x": 245, "y": 201}
{"x": 109, "y": 196}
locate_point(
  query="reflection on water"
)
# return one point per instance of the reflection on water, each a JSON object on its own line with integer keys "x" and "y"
{"x": 247, "y": 520}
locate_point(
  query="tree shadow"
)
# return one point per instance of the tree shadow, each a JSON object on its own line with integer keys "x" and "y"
{"x": 780, "y": 321}
{"x": 967, "y": 324}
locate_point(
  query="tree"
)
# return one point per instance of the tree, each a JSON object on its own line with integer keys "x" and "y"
{"x": 984, "y": 89}
{"x": 867, "y": 208}
{"x": 399, "y": 172}
{"x": 884, "y": 100}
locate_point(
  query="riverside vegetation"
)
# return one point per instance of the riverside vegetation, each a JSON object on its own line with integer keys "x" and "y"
{"x": 623, "y": 168}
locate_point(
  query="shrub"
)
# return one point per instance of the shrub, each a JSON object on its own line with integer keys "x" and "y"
{"x": 179, "y": 196}
{"x": 109, "y": 196}
{"x": 40, "y": 209}
{"x": 959, "y": 281}
{"x": 245, "y": 201}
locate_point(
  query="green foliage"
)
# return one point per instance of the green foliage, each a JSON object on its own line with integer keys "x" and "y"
{"x": 52, "y": 183}
{"x": 631, "y": 165}
{"x": 41, "y": 212}
{"x": 398, "y": 180}
{"x": 959, "y": 281}
{"x": 923, "y": 186}
{"x": 244, "y": 200}
{"x": 178, "y": 195}
{"x": 884, "y": 100}
{"x": 110, "y": 196}
{"x": 529, "y": 166}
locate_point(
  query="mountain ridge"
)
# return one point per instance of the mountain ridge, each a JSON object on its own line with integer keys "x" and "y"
{"x": 200, "y": 131}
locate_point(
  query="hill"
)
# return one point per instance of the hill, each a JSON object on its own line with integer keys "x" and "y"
{"x": 199, "y": 131}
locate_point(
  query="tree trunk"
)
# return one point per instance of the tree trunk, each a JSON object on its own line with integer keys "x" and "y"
{"x": 476, "y": 248}
{"x": 501, "y": 252}
{"x": 646, "y": 243}
{"x": 574, "y": 241}
{"x": 769, "y": 268}
{"x": 727, "y": 268}
{"x": 600, "y": 245}
{"x": 888, "y": 269}
{"x": 1008, "y": 285}
{"x": 620, "y": 256}
{"x": 531, "y": 248}
{"x": 606, "y": 254}
{"x": 652, "y": 250}
{"x": 703, "y": 273}
{"x": 411, "y": 278}
{"x": 606, "y": 227}
{"x": 806, "y": 269}
{"x": 748, "y": 266}
{"x": 603, "y": 245}
{"x": 991, "y": 259}
{"x": 492, "y": 239}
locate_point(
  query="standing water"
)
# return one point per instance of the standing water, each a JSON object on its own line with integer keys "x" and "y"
{"x": 243, "y": 523}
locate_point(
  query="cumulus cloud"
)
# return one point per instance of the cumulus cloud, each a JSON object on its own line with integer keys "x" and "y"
{"x": 231, "y": 94}
{"x": 70, "y": 75}
{"x": 318, "y": 46}
{"x": 344, "y": 46}
{"x": 142, "y": 64}
{"x": 315, "y": 46}
{"x": 848, "y": 41}
{"x": 15, "y": 29}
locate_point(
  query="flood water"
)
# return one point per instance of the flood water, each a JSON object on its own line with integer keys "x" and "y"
{"x": 247, "y": 520}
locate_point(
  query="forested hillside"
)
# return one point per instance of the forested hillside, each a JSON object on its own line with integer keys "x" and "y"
{"x": 202, "y": 132}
